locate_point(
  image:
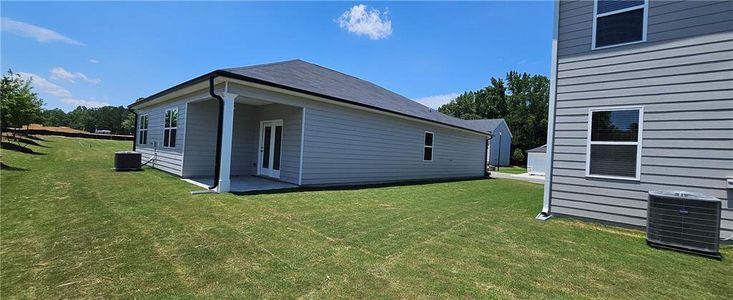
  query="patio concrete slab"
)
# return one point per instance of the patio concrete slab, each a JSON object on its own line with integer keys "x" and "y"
{"x": 244, "y": 183}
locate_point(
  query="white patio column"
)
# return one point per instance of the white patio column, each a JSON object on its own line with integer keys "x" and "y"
{"x": 226, "y": 143}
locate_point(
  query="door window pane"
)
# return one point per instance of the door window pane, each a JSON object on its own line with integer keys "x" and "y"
{"x": 266, "y": 147}
{"x": 276, "y": 155}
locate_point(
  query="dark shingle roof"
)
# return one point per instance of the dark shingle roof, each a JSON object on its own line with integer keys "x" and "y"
{"x": 540, "y": 149}
{"x": 313, "y": 78}
{"x": 486, "y": 124}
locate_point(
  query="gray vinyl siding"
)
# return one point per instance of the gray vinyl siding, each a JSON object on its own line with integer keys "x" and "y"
{"x": 505, "y": 143}
{"x": 245, "y": 141}
{"x": 200, "y": 139}
{"x": 166, "y": 159}
{"x": 290, "y": 151}
{"x": 344, "y": 145}
{"x": 348, "y": 146}
{"x": 683, "y": 78}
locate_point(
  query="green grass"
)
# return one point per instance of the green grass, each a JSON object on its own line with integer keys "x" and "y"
{"x": 513, "y": 170}
{"x": 73, "y": 228}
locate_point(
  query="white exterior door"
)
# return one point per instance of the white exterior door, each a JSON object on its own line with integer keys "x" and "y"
{"x": 271, "y": 133}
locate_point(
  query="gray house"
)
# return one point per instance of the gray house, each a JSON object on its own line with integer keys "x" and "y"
{"x": 641, "y": 99}
{"x": 537, "y": 160}
{"x": 500, "y": 147}
{"x": 302, "y": 125}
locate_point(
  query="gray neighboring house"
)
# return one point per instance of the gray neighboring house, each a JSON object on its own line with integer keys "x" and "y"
{"x": 641, "y": 98}
{"x": 537, "y": 160}
{"x": 301, "y": 124}
{"x": 500, "y": 147}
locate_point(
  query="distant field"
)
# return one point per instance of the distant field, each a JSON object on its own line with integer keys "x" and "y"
{"x": 73, "y": 228}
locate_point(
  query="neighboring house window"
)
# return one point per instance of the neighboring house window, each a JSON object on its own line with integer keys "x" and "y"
{"x": 143, "y": 134}
{"x": 428, "y": 146}
{"x": 169, "y": 128}
{"x": 614, "y": 143}
{"x": 619, "y": 22}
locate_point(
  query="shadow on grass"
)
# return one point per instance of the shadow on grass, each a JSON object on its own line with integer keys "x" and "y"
{"x": 15, "y": 147}
{"x": 357, "y": 187}
{"x": 5, "y": 167}
{"x": 25, "y": 140}
{"x": 33, "y": 137}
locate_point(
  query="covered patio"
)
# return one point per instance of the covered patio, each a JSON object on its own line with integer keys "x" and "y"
{"x": 260, "y": 147}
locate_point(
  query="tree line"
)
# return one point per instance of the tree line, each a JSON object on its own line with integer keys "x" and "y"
{"x": 21, "y": 106}
{"x": 520, "y": 99}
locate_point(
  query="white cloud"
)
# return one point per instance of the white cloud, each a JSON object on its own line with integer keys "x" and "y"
{"x": 437, "y": 100}
{"x": 94, "y": 61}
{"x": 40, "y": 34}
{"x": 81, "y": 102}
{"x": 45, "y": 86}
{"x": 363, "y": 21}
{"x": 60, "y": 73}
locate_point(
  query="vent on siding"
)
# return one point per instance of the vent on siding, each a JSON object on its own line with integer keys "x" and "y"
{"x": 684, "y": 221}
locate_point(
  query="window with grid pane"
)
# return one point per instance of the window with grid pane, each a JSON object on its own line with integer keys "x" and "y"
{"x": 614, "y": 143}
{"x": 143, "y": 130}
{"x": 428, "y": 146}
{"x": 618, "y": 22}
{"x": 170, "y": 127}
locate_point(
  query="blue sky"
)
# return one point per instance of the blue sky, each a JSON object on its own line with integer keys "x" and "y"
{"x": 113, "y": 53}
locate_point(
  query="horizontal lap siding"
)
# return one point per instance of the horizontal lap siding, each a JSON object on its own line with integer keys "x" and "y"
{"x": 201, "y": 133}
{"x": 346, "y": 145}
{"x": 244, "y": 141}
{"x": 667, "y": 21}
{"x": 290, "y": 151}
{"x": 166, "y": 159}
{"x": 684, "y": 80}
{"x": 349, "y": 146}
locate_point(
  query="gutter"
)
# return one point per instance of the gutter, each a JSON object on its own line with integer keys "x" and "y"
{"x": 545, "y": 213}
{"x": 219, "y": 129}
{"x": 134, "y": 130}
{"x": 236, "y": 76}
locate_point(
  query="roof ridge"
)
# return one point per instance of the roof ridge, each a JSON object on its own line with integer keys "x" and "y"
{"x": 262, "y": 65}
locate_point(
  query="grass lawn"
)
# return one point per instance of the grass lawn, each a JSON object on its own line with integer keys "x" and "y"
{"x": 513, "y": 170}
{"x": 73, "y": 228}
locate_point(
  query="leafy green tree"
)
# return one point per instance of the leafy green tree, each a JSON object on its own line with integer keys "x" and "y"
{"x": 55, "y": 117}
{"x": 79, "y": 118}
{"x": 19, "y": 105}
{"x": 521, "y": 99}
{"x": 518, "y": 155}
{"x": 128, "y": 124}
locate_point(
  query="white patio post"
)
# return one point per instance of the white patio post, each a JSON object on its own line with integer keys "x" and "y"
{"x": 226, "y": 143}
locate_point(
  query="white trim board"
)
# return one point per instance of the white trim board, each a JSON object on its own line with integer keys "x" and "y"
{"x": 302, "y": 142}
{"x": 547, "y": 196}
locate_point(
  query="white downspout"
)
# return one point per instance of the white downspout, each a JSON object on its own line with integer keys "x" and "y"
{"x": 545, "y": 213}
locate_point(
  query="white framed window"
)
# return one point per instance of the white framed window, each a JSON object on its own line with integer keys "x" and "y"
{"x": 142, "y": 135}
{"x": 428, "y": 146}
{"x": 619, "y": 22}
{"x": 170, "y": 127}
{"x": 614, "y": 142}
